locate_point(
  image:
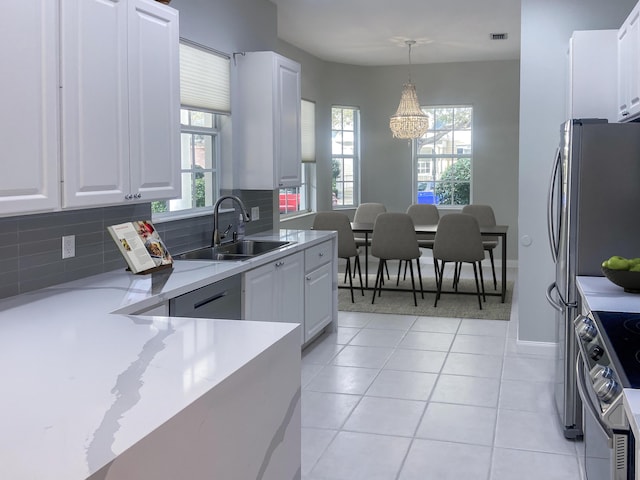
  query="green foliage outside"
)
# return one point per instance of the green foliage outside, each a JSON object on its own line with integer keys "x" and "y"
{"x": 335, "y": 173}
{"x": 200, "y": 191}
{"x": 199, "y": 199}
{"x": 455, "y": 185}
{"x": 159, "y": 207}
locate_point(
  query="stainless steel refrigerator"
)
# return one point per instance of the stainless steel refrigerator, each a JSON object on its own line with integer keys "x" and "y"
{"x": 593, "y": 214}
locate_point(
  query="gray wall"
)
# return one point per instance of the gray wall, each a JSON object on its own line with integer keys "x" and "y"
{"x": 546, "y": 29}
{"x": 492, "y": 88}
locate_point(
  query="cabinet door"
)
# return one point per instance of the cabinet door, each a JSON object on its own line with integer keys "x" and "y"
{"x": 260, "y": 288}
{"x": 154, "y": 100}
{"x": 287, "y": 120}
{"x": 266, "y": 131}
{"x": 629, "y": 66}
{"x": 29, "y": 114}
{"x": 593, "y": 67}
{"x": 290, "y": 272}
{"x": 275, "y": 292}
{"x": 318, "y": 300}
{"x": 95, "y": 116}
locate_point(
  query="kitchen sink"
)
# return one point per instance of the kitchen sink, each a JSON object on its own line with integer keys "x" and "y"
{"x": 240, "y": 250}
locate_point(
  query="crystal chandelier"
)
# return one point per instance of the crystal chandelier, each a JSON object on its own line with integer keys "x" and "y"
{"x": 409, "y": 121}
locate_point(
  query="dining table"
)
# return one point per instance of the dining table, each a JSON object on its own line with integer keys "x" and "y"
{"x": 499, "y": 231}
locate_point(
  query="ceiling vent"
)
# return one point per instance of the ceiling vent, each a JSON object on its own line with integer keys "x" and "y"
{"x": 498, "y": 36}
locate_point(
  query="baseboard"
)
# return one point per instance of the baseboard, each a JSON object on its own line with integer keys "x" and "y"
{"x": 547, "y": 349}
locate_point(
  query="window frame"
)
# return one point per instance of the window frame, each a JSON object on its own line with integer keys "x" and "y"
{"x": 355, "y": 156}
{"x": 435, "y": 157}
{"x": 304, "y": 190}
{"x": 215, "y": 132}
{"x": 308, "y": 158}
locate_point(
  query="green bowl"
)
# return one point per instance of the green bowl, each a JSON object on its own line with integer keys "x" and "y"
{"x": 628, "y": 280}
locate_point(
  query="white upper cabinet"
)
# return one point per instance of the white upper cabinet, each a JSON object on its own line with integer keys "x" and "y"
{"x": 629, "y": 66}
{"x": 29, "y": 113}
{"x": 593, "y": 68}
{"x": 120, "y": 102}
{"x": 266, "y": 122}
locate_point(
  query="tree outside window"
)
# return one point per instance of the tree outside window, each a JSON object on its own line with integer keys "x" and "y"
{"x": 444, "y": 157}
{"x": 199, "y": 154}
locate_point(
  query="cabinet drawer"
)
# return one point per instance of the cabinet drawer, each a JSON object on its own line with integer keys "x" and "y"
{"x": 318, "y": 255}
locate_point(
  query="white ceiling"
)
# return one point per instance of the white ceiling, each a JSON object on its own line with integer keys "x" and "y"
{"x": 373, "y": 32}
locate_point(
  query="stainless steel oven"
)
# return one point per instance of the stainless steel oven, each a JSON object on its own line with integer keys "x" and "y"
{"x": 609, "y": 444}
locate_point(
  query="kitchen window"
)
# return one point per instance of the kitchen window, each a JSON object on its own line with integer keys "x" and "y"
{"x": 345, "y": 159}
{"x": 443, "y": 157}
{"x": 296, "y": 200}
{"x": 205, "y": 100}
{"x": 199, "y": 160}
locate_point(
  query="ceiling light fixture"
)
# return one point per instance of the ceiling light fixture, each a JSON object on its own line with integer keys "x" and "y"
{"x": 409, "y": 120}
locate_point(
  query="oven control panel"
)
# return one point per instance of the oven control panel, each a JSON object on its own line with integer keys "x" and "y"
{"x": 600, "y": 380}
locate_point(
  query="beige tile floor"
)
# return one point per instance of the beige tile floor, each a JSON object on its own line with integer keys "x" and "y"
{"x": 390, "y": 397}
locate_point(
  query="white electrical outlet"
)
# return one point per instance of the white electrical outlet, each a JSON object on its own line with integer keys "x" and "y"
{"x": 69, "y": 246}
{"x": 255, "y": 213}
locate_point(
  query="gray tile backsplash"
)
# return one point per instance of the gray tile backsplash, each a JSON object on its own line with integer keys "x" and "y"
{"x": 31, "y": 245}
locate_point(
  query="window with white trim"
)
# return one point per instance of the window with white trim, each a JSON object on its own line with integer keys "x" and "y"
{"x": 296, "y": 200}
{"x": 443, "y": 157}
{"x": 345, "y": 156}
{"x": 204, "y": 96}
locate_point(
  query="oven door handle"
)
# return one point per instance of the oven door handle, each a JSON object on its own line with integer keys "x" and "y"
{"x": 586, "y": 401}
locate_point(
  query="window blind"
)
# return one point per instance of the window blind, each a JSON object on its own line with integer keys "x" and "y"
{"x": 308, "y": 137}
{"x": 204, "y": 79}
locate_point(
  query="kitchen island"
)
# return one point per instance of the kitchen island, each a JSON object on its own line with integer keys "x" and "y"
{"x": 602, "y": 295}
{"x": 93, "y": 389}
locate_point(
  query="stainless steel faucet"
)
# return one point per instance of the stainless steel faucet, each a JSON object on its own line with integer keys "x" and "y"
{"x": 215, "y": 238}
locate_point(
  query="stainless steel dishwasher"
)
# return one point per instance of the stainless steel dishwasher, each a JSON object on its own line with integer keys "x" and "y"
{"x": 222, "y": 299}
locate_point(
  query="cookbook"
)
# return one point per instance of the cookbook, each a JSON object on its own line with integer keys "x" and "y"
{"x": 141, "y": 246}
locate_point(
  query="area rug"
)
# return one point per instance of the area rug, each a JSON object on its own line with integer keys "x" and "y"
{"x": 450, "y": 304}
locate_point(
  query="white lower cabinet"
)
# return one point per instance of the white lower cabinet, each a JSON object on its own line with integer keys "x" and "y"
{"x": 318, "y": 310}
{"x": 275, "y": 292}
{"x": 299, "y": 288}
{"x": 318, "y": 288}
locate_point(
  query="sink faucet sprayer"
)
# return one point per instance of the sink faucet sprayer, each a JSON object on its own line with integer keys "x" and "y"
{"x": 215, "y": 238}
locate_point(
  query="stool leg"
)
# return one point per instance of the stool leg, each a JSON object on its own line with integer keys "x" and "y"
{"x": 379, "y": 276}
{"x": 420, "y": 278}
{"x": 357, "y": 264}
{"x": 493, "y": 270}
{"x": 350, "y": 279}
{"x": 413, "y": 284}
{"x": 475, "y": 274}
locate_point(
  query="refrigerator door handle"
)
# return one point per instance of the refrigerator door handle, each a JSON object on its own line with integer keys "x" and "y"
{"x": 559, "y": 304}
{"x": 550, "y": 299}
{"x": 551, "y": 226}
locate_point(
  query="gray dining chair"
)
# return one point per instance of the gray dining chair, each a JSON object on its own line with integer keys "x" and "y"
{"x": 422, "y": 214}
{"x": 458, "y": 240}
{"x": 347, "y": 248}
{"x": 367, "y": 213}
{"x": 394, "y": 238}
{"x": 486, "y": 218}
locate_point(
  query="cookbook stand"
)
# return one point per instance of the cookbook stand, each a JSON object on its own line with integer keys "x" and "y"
{"x": 152, "y": 270}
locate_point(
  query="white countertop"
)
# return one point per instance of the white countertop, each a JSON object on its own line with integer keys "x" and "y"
{"x": 81, "y": 385}
{"x": 603, "y": 295}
